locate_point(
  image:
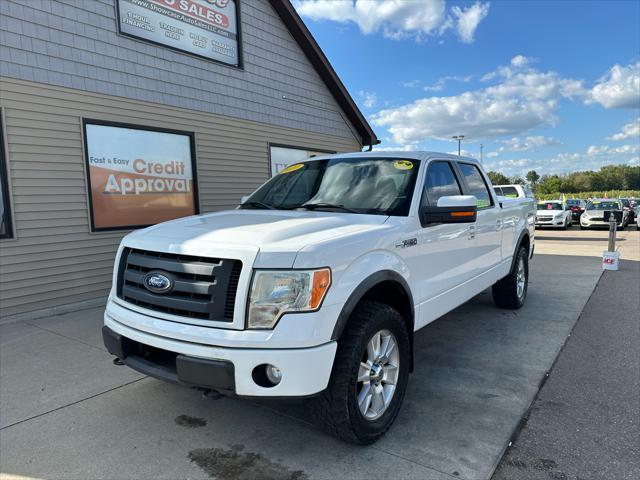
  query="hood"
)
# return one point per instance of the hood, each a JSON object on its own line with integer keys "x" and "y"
{"x": 277, "y": 235}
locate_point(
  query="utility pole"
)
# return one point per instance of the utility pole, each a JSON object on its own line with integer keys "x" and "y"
{"x": 459, "y": 139}
{"x": 481, "y": 147}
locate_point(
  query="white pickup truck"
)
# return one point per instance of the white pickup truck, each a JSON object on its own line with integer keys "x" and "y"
{"x": 315, "y": 284}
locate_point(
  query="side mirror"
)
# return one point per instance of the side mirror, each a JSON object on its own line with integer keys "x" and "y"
{"x": 450, "y": 209}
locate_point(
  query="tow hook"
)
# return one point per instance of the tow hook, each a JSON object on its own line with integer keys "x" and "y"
{"x": 118, "y": 361}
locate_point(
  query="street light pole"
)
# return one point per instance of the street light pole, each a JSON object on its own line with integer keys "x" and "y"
{"x": 459, "y": 139}
{"x": 481, "y": 147}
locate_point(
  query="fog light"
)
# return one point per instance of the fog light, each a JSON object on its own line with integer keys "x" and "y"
{"x": 274, "y": 374}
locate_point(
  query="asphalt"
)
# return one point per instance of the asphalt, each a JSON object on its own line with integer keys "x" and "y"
{"x": 66, "y": 412}
{"x": 585, "y": 421}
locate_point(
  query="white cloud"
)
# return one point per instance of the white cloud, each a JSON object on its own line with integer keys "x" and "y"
{"x": 492, "y": 154}
{"x": 620, "y": 88}
{"x": 594, "y": 151}
{"x": 535, "y": 142}
{"x": 520, "y": 61}
{"x": 442, "y": 81}
{"x": 410, "y": 83}
{"x": 630, "y": 130}
{"x": 522, "y": 100}
{"x": 397, "y": 19}
{"x": 468, "y": 20}
{"x": 369, "y": 99}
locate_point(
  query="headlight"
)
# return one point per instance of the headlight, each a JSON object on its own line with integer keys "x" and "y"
{"x": 558, "y": 215}
{"x": 275, "y": 292}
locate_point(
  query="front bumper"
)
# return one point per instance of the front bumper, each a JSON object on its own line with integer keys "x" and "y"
{"x": 550, "y": 223}
{"x": 305, "y": 371}
{"x": 596, "y": 223}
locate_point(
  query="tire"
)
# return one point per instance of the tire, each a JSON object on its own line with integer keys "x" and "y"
{"x": 337, "y": 410}
{"x": 566, "y": 225}
{"x": 506, "y": 292}
{"x": 582, "y": 228}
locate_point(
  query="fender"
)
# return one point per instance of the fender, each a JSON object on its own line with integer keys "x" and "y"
{"x": 361, "y": 290}
{"x": 523, "y": 234}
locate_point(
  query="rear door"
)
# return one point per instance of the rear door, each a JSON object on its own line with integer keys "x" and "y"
{"x": 489, "y": 224}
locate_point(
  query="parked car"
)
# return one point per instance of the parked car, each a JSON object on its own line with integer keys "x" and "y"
{"x": 577, "y": 207}
{"x": 316, "y": 284}
{"x": 630, "y": 207}
{"x": 553, "y": 213}
{"x": 635, "y": 204}
{"x": 513, "y": 191}
{"x": 593, "y": 215}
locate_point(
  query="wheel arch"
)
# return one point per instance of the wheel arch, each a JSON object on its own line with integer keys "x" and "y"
{"x": 524, "y": 240}
{"x": 385, "y": 286}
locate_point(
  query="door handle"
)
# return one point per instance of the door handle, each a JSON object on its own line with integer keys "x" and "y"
{"x": 498, "y": 224}
{"x": 472, "y": 232}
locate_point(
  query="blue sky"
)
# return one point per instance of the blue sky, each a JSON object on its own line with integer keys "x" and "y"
{"x": 547, "y": 85}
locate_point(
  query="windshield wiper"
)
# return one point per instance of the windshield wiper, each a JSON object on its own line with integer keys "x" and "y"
{"x": 258, "y": 204}
{"x": 315, "y": 206}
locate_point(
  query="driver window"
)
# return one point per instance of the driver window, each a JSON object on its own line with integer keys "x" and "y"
{"x": 440, "y": 182}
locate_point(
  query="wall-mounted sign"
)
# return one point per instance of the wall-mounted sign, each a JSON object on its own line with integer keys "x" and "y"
{"x": 208, "y": 28}
{"x": 138, "y": 176}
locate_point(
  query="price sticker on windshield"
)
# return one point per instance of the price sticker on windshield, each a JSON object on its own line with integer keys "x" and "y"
{"x": 292, "y": 168}
{"x": 403, "y": 165}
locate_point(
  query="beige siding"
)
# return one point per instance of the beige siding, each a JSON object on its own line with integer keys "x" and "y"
{"x": 55, "y": 259}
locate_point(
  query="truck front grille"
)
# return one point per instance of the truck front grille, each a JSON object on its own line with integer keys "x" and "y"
{"x": 203, "y": 288}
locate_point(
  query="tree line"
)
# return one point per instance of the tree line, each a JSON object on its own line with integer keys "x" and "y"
{"x": 611, "y": 177}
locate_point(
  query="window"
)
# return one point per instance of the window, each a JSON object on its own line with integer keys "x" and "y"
{"x": 6, "y": 228}
{"x": 137, "y": 175}
{"x": 440, "y": 182}
{"x": 476, "y": 184}
{"x": 283, "y": 156}
{"x": 509, "y": 192}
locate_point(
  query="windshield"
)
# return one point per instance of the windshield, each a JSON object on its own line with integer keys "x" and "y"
{"x": 382, "y": 186}
{"x": 603, "y": 206}
{"x": 573, "y": 203}
{"x": 549, "y": 206}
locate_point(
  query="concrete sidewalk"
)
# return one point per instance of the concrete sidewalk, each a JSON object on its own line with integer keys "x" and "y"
{"x": 67, "y": 412}
{"x": 584, "y": 422}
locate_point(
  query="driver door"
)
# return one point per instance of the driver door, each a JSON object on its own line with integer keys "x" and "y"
{"x": 443, "y": 251}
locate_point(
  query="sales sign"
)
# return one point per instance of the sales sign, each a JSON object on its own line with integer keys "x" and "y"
{"x": 208, "y": 28}
{"x": 138, "y": 177}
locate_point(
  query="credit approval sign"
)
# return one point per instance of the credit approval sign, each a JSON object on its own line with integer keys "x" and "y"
{"x": 207, "y": 28}
{"x": 137, "y": 176}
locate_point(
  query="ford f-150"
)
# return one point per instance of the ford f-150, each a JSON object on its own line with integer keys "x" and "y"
{"x": 316, "y": 284}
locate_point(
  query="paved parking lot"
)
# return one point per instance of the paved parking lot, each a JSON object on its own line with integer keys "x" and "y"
{"x": 67, "y": 412}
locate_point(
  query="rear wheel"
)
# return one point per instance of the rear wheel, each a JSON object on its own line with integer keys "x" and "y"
{"x": 369, "y": 378}
{"x": 511, "y": 291}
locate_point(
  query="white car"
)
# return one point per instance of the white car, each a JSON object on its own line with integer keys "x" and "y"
{"x": 316, "y": 284}
{"x": 593, "y": 215}
{"x": 553, "y": 213}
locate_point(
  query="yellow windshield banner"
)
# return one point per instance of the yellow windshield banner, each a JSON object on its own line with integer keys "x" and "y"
{"x": 292, "y": 168}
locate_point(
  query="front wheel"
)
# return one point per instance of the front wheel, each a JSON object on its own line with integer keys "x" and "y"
{"x": 511, "y": 291}
{"x": 369, "y": 377}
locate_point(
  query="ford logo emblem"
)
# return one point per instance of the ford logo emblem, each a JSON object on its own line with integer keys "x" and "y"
{"x": 157, "y": 281}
